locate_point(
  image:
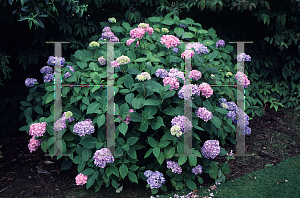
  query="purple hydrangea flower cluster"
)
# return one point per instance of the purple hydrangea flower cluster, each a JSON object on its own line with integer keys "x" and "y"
{"x": 197, "y": 170}
{"x": 102, "y": 60}
{"x": 194, "y": 74}
{"x": 175, "y": 49}
{"x": 54, "y": 60}
{"x": 106, "y": 29}
{"x": 155, "y": 179}
{"x": 184, "y": 123}
{"x": 71, "y": 68}
{"x": 46, "y": 70}
{"x": 204, "y": 114}
{"x": 187, "y": 91}
{"x": 243, "y": 57}
{"x": 48, "y": 77}
{"x": 84, "y": 127}
{"x": 174, "y": 166}
{"x": 109, "y": 35}
{"x": 199, "y": 48}
{"x": 29, "y": 82}
{"x": 102, "y": 157}
{"x": 161, "y": 73}
{"x": 220, "y": 43}
{"x": 237, "y": 115}
{"x": 60, "y": 124}
{"x": 173, "y": 73}
{"x": 210, "y": 149}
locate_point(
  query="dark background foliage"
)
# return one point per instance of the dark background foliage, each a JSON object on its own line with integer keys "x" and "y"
{"x": 26, "y": 25}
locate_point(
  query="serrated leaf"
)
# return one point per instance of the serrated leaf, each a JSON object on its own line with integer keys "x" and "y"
{"x": 156, "y": 151}
{"x": 132, "y": 176}
{"x": 123, "y": 170}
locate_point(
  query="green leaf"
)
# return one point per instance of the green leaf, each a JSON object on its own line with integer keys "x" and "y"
{"x": 136, "y": 117}
{"x": 221, "y": 110}
{"x": 163, "y": 144}
{"x": 108, "y": 171}
{"x": 225, "y": 168}
{"x": 123, "y": 127}
{"x": 79, "y": 54}
{"x": 88, "y": 171}
{"x": 200, "y": 180}
{"x": 212, "y": 55}
{"x": 169, "y": 152}
{"x": 190, "y": 184}
{"x": 129, "y": 98}
{"x": 38, "y": 109}
{"x": 161, "y": 158}
{"x": 216, "y": 122}
{"x": 115, "y": 171}
{"x": 138, "y": 103}
{"x": 152, "y": 102}
{"x": 179, "y": 31}
{"x": 86, "y": 154}
{"x": 134, "y": 167}
{"x": 126, "y": 25}
{"x": 182, "y": 160}
{"x": 68, "y": 137}
{"x": 89, "y": 142}
{"x": 131, "y": 141}
{"x": 168, "y": 21}
{"x": 139, "y": 60}
{"x": 128, "y": 82}
{"x": 93, "y": 108}
{"x": 148, "y": 153}
{"x": 154, "y": 19}
{"x": 156, "y": 152}
{"x": 132, "y": 177}
{"x": 154, "y": 191}
{"x": 124, "y": 110}
{"x": 175, "y": 59}
{"x": 152, "y": 142}
{"x": 77, "y": 159}
{"x": 50, "y": 97}
{"x": 51, "y": 141}
{"x": 188, "y": 35}
{"x": 193, "y": 160}
{"x": 283, "y": 20}
{"x": 156, "y": 123}
{"x": 207, "y": 105}
{"x": 123, "y": 170}
{"x": 66, "y": 164}
{"x": 117, "y": 29}
{"x": 100, "y": 120}
{"x": 93, "y": 66}
{"x": 132, "y": 153}
{"x": 90, "y": 182}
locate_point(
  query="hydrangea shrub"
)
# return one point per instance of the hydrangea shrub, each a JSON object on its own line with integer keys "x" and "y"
{"x": 149, "y": 100}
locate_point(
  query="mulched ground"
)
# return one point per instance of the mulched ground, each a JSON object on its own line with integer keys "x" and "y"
{"x": 19, "y": 176}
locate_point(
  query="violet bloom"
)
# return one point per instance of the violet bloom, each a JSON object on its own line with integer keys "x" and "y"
{"x": 174, "y": 166}
{"x": 102, "y": 60}
{"x": 84, "y": 127}
{"x": 220, "y": 43}
{"x": 114, "y": 39}
{"x": 181, "y": 25}
{"x": 107, "y": 35}
{"x": 161, "y": 73}
{"x": 173, "y": 73}
{"x": 102, "y": 157}
{"x": 184, "y": 123}
{"x": 29, "y": 82}
{"x": 106, "y": 29}
{"x": 46, "y": 70}
{"x": 54, "y": 60}
{"x": 204, "y": 114}
{"x": 197, "y": 170}
{"x": 243, "y": 57}
{"x": 48, "y": 77}
{"x": 210, "y": 149}
{"x": 175, "y": 49}
{"x": 155, "y": 180}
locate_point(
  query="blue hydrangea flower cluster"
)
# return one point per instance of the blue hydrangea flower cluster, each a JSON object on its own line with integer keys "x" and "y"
{"x": 174, "y": 166}
{"x": 161, "y": 73}
{"x": 175, "y": 49}
{"x": 243, "y": 57}
{"x": 84, "y": 127}
{"x": 54, "y": 60}
{"x": 29, "y": 82}
{"x": 184, "y": 123}
{"x": 48, "y": 77}
{"x": 199, "y": 48}
{"x": 220, "y": 43}
{"x": 210, "y": 149}
{"x": 102, "y": 157}
{"x": 155, "y": 179}
{"x": 235, "y": 114}
{"x": 197, "y": 170}
{"x": 46, "y": 70}
{"x": 109, "y": 35}
{"x": 173, "y": 73}
{"x": 186, "y": 93}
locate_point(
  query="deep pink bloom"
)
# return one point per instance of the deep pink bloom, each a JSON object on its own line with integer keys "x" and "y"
{"x": 206, "y": 90}
{"x": 34, "y": 144}
{"x": 81, "y": 179}
{"x": 187, "y": 54}
{"x": 37, "y": 129}
{"x": 149, "y": 30}
{"x": 137, "y": 33}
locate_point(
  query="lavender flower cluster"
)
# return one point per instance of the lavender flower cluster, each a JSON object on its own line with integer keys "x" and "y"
{"x": 220, "y": 43}
{"x": 84, "y": 127}
{"x": 243, "y": 57}
{"x": 184, "y": 123}
{"x": 199, "y": 48}
{"x": 197, "y": 170}
{"x": 210, "y": 149}
{"x": 174, "y": 166}
{"x": 155, "y": 179}
{"x": 237, "y": 115}
{"x": 204, "y": 114}
{"x": 186, "y": 93}
{"x": 60, "y": 124}
{"x": 109, "y": 35}
{"x": 102, "y": 157}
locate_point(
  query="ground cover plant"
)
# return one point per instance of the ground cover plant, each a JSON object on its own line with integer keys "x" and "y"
{"x": 149, "y": 101}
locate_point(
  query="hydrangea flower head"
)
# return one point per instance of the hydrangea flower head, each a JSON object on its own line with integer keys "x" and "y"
{"x": 149, "y": 30}
{"x": 143, "y": 25}
{"x": 144, "y": 76}
{"x": 229, "y": 74}
{"x": 106, "y": 29}
{"x": 114, "y": 39}
{"x": 137, "y": 33}
{"x": 81, "y": 179}
{"x": 210, "y": 149}
{"x": 29, "y": 82}
{"x": 48, "y": 77}
{"x": 187, "y": 54}
{"x": 147, "y": 173}
{"x": 243, "y": 57}
{"x": 102, "y": 157}
{"x": 84, "y": 127}
{"x": 34, "y": 144}
{"x": 129, "y": 41}
{"x": 68, "y": 114}
{"x": 187, "y": 91}
{"x": 112, "y": 20}
{"x": 114, "y": 64}
{"x": 175, "y": 49}
{"x": 54, "y": 60}
{"x": 171, "y": 81}
{"x": 184, "y": 123}
{"x": 173, "y": 73}
{"x": 161, "y": 73}
{"x": 165, "y": 30}
{"x": 175, "y": 130}
{"x": 157, "y": 30}
{"x": 195, "y": 74}
{"x": 122, "y": 60}
{"x": 155, "y": 180}
{"x": 220, "y": 43}
{"x": 169, "y": 41}
{"x": 67, "y": 75}
{"x": 197, "y": 170}
{"x": 174, "y": 166}
{"x": 46, "y": 70}
{"x": 242, "y": 79}
{"x": 107, "y": 35}
{"x": 206, "y": 90}
{"x": 102, "y": 60}
{"x": 94, "y": 44}
{"x": 127, "y": 119}
{"x": 204, "y": 114}
{"x": 37, "y": 129}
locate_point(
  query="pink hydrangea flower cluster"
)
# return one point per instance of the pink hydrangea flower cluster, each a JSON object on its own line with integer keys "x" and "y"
{"x": 129, "y": 41}
{"x": 34, "y": 144}
{"x": 81, "y": 179}
{"x": 127, "y": 119}
{"x": 187, "y": 54}
{"x": 171, "y": 81}
{"x": 242, "y": 79}
{"x": 146, "y": 27}
{"x": 137, "y": 33}
{"x": 206, "y": 90}
{"x": 38, "y": 129}
{"x": 170, "y": 41}
{"x": 194, "y": 74}
{"x": 204, "y": 114}
{"x": 114, "y": 64}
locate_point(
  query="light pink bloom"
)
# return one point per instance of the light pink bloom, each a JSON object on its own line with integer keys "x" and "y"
{"x": 194, "y": 74}
{"x": 170, "y": 41}
{"x": 187, "y": 54}
{"x": 171, "y": 81}
{"x": 81, "y": 179}
{"x": 114, "y": 64}
{"x": 37, "y": 129}
{"x": 206, "y": 90}
{"x": 34, "y": 144}
{"x": 137, "y": 33}
{"x": 149, "y": 30}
